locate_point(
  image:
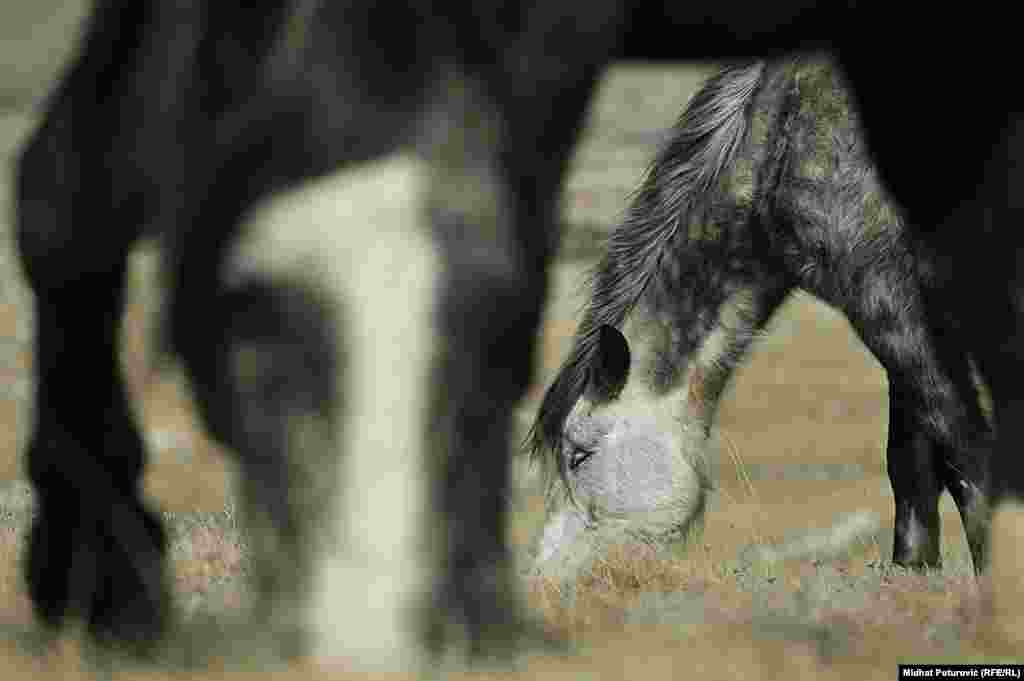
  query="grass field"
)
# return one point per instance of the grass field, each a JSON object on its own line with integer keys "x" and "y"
{"x": 802, "y": 435}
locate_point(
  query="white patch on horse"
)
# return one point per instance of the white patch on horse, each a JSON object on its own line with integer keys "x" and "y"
{"x": 360, "y": 238}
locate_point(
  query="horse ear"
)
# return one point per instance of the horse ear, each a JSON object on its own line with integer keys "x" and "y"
{"x": 611, "y": 365}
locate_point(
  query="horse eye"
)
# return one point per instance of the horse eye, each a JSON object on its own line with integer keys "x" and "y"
{"x": 578, "y": 455}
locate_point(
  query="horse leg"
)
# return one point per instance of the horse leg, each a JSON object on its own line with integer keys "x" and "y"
{"x": 949, "y": 412}
{"x": 494, "y": 209}
{"x": 989, "y": 299}
{"x": 915, "y": 486}
{"x": 274, "y": 405}
{"x": 938, "y": 439}
{"x": 930, "y": 425}
{"x": 964, "y": 473}
{"x": 94, "y": 547}
{"x": 962, "y": 456}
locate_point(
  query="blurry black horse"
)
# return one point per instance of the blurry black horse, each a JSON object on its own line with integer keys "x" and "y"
{"x": 205, "y": 122}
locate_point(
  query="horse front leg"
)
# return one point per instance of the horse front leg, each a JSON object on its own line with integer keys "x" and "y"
{"x": 990, "y": 301}
{"x": 938, "y": 438}
{"x": 916, "y": 488}
{"x": 492, "y": 202}
{"x": 95, "y": 550}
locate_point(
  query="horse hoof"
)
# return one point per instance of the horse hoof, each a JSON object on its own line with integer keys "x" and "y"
{"x": 485, "y": 627}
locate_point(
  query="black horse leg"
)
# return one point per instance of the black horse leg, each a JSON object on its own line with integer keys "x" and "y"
{"x": 916, "y": 488}
{"x": 988, "y": 293}
{"x": 938, "y": 439}
{"x": 964, "y": 472}
{"x": 987, "y": 296}
{"x": 937, "y": 435}
{"x": 898, "y": 338}
{"x": 981, "y": 299}
{"x": 94, "y": 547}
{"x": 496, "y": 263}
{"x": 963, "y": 451}
{"x": 274, "y": 405}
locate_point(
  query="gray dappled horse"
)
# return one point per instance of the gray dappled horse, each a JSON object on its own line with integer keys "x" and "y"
{"x": 766, "y": 185}
{"x": 334, "y": 356}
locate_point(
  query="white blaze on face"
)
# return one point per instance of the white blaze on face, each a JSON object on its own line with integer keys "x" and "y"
{"x": 360, "y": 237}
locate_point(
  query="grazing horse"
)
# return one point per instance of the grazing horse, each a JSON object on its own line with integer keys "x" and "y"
{"x": 437, "y": 133}
{"x": 766, "y": 185}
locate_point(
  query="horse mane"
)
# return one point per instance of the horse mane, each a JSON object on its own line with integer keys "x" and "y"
{"x": 704, "y": 143}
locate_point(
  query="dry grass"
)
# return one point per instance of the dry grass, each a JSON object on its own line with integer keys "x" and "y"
{"x": 715, "y": 611}
{"x": 636, "y": 615}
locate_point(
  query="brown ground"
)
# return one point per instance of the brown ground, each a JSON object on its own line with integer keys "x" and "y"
{"x": 811, "y": 400}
